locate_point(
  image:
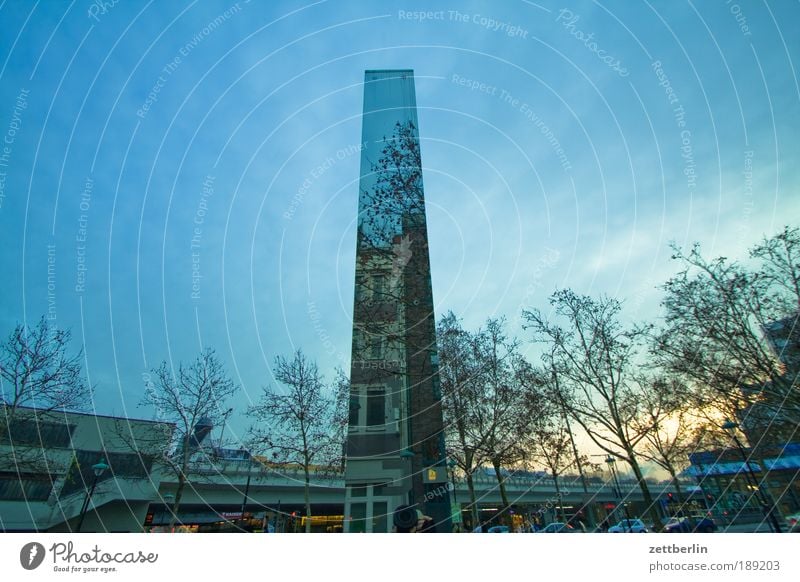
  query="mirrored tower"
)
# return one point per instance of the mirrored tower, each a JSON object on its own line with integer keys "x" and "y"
{"x": 395, "y": 444}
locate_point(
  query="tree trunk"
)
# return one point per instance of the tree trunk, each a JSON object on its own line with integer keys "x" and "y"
{"x": 473, "y": 501}
{"x": 504, "y": 519}
{"x": 677, "y": 485}
{"x": 308, "y": 499}
{"x": 558, "y": 498}
{"x": 177, "y": 503}
{"x": 652, "y": 510}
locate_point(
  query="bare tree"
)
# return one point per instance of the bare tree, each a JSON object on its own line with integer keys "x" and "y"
{"x": 189, "y": 402}
{"x": 298, "y": 424}
{"x": 779, "y": 267}
{"x": 670, "y": 425}
{"x": 487, "y": 409}
{"x": 731, "y": 333}
{"x": 552, "y": 448}
{"x": 545, "y": 381}
{"x": 462, "y": 401}
{"x": 503, "y": 416}
{"x": 339, "y": 425}
{"x": 36, "y": 372}
{"x": 596, "y": 358}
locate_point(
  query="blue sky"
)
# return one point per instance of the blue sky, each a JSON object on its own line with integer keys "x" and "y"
{"x": 564, "y": 145}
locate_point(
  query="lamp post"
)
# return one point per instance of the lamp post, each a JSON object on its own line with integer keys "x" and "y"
{"x": 98, "y": 470}
{"x": 246, "y": 490}
{"x": 225, "y": 416}
{"x": 767, "y": 507}
{"x": 612, "y": 467}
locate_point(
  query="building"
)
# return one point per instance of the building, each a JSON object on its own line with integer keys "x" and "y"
{"x": 232, "y": 491}
{"x": 772, "y": 419}
{"x": 395, "y": 444}
{"x": 44, "y": 484}
{"x": 46, "y": 471}
{"x": 729, "y": 486}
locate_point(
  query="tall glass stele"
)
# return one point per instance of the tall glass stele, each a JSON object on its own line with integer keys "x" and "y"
{"x": 395, "y": 442}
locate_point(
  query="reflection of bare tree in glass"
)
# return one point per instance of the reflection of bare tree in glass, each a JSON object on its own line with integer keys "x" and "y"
{"x": 391, "y": 215}
{"x": 394, "y": 328}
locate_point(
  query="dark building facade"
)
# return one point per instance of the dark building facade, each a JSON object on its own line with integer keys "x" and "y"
{"x": 395, "y": 449}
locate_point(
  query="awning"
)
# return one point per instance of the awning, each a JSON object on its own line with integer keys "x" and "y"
{"x": 720, "y": 469}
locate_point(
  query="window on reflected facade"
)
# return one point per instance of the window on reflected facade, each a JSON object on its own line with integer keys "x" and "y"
{"x": 376, "y": 406}
{"x": 358, "y": 518}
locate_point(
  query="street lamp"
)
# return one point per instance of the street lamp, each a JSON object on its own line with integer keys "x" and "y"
{"x": 246, "y": 489}
{"x": 612, "y": 467}
{"x": 225, "y": 416}
{"x": 98, "y": 470}
{"x": 767, "y": 507}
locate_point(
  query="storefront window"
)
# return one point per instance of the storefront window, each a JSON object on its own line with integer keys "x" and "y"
{"x": 358, "y": 518}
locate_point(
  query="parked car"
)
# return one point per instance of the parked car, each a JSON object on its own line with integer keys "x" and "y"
{"x": 558, "y": 527}
{"x": 629, "y": 526}
{"x": 675, "y": 525}
{"x": 702, "y": 524}
{"x": 693, "y": 523}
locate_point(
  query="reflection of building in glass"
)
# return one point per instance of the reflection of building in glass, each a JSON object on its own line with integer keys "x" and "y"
{"x": 395, "y": 449}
